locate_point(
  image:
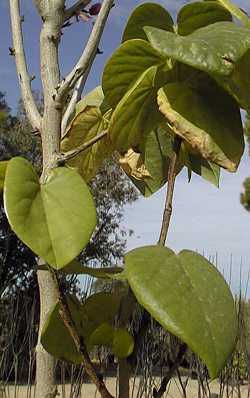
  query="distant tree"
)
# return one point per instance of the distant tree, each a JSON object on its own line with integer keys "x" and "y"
{"x": 245, "y": 195}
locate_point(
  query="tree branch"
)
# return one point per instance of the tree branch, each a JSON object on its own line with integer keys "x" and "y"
{"x": 86, "y": 60}
{"x": 21, "y": 66}
{"x": 170, "y": 373}
{"x": 79, "y": 343}
{"x": 73, "y": 10}
{"x": 170, "y": 192}
{"x": 76, "y": 96}
{"x": 72, "y": 154}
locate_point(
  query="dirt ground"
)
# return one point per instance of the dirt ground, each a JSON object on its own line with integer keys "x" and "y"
{"x": 89, "y": 391}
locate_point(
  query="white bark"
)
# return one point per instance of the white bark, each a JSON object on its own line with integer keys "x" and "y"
{"x": 22, "y": 71}
{"x": 45, "y": 363}
{"x": 52, "y": 13}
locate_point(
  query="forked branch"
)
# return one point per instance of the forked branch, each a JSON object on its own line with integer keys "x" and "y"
{"x": 166, "y": 379}
{"x": 21, "y": 65}
{"x": 73, "y": 10}
{"x": 76, "y": 96}
{"x": 85, "y": 62}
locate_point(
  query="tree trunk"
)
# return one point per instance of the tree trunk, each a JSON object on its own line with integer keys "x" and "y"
{"x": 52, "y": 13}
{"x": 45, "y": 363}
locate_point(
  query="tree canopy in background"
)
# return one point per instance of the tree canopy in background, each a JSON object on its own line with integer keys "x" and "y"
{"x": 245, "y": 195}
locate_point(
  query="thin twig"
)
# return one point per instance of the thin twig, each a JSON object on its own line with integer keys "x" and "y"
{"x": 170, "y": 192}
{"x": 86, "y": 60}
{"x": 21, "y": 66}
{"x": 79, "y": 343}
{"x": 76, "y": 96}
{"x": 73, "y": 10}
{"x": 170, "y": 373}
{"x": 163, "y": 235}
{"x": 162, "y": 240}
{"x": 72, "y": 154}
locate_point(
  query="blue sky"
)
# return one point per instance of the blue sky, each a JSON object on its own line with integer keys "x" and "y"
{"x": 205, "y": 218}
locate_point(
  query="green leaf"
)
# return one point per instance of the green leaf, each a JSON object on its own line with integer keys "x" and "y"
{"x": 86, "y": 125}
{"x": 119, "y": 340}
{"x": 102, "y": 336}
{"x": 55, "y": 219}
{"x": 3, "y": 167}
{"x": 156, "y": 152}
{"x": 207, "y": 119}
{"x": 136, "y": 114}
{"x": 123, "y": 343}
{"x": 56, "y": 338}
{"x": 245, "y": 196}
{"x": 188, "y": 296}
{"x": 238, "y": 83}
{"x": 93, "y": 98}
{"x": 214, "y": 49}
{"x": 199, "y": 14}
{"x": 93, "y": 321}
{"x": 207, "y": 170}
{"x": 109, "y": 303}
{"x": 126, "y": 66}
{"x": 147, "y": 14}
{"x": 75, "y": 267}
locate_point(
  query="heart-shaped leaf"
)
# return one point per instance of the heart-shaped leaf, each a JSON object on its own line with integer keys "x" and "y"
{"x": 55, "y": 219}
{"x": 188, "y": 296}
{"x": 136, "y": 114}
{"x": 214, "y": 49}
{"x": 126, "y": 66}
{"x": 150, "y": 14}
{"x": 199, "y": 14}
{"x": 198, "y": 116}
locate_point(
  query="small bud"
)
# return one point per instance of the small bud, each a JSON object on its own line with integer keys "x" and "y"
{"x": 95, "y": 9}
{"x": 12, "y": 51}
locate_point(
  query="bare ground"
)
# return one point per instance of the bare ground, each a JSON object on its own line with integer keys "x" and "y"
{"x": 89, "y": 391}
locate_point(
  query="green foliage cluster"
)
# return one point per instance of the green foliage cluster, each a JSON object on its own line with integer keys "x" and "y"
{"x": 245, "y": 197}
{"x": 167, "y": 83}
